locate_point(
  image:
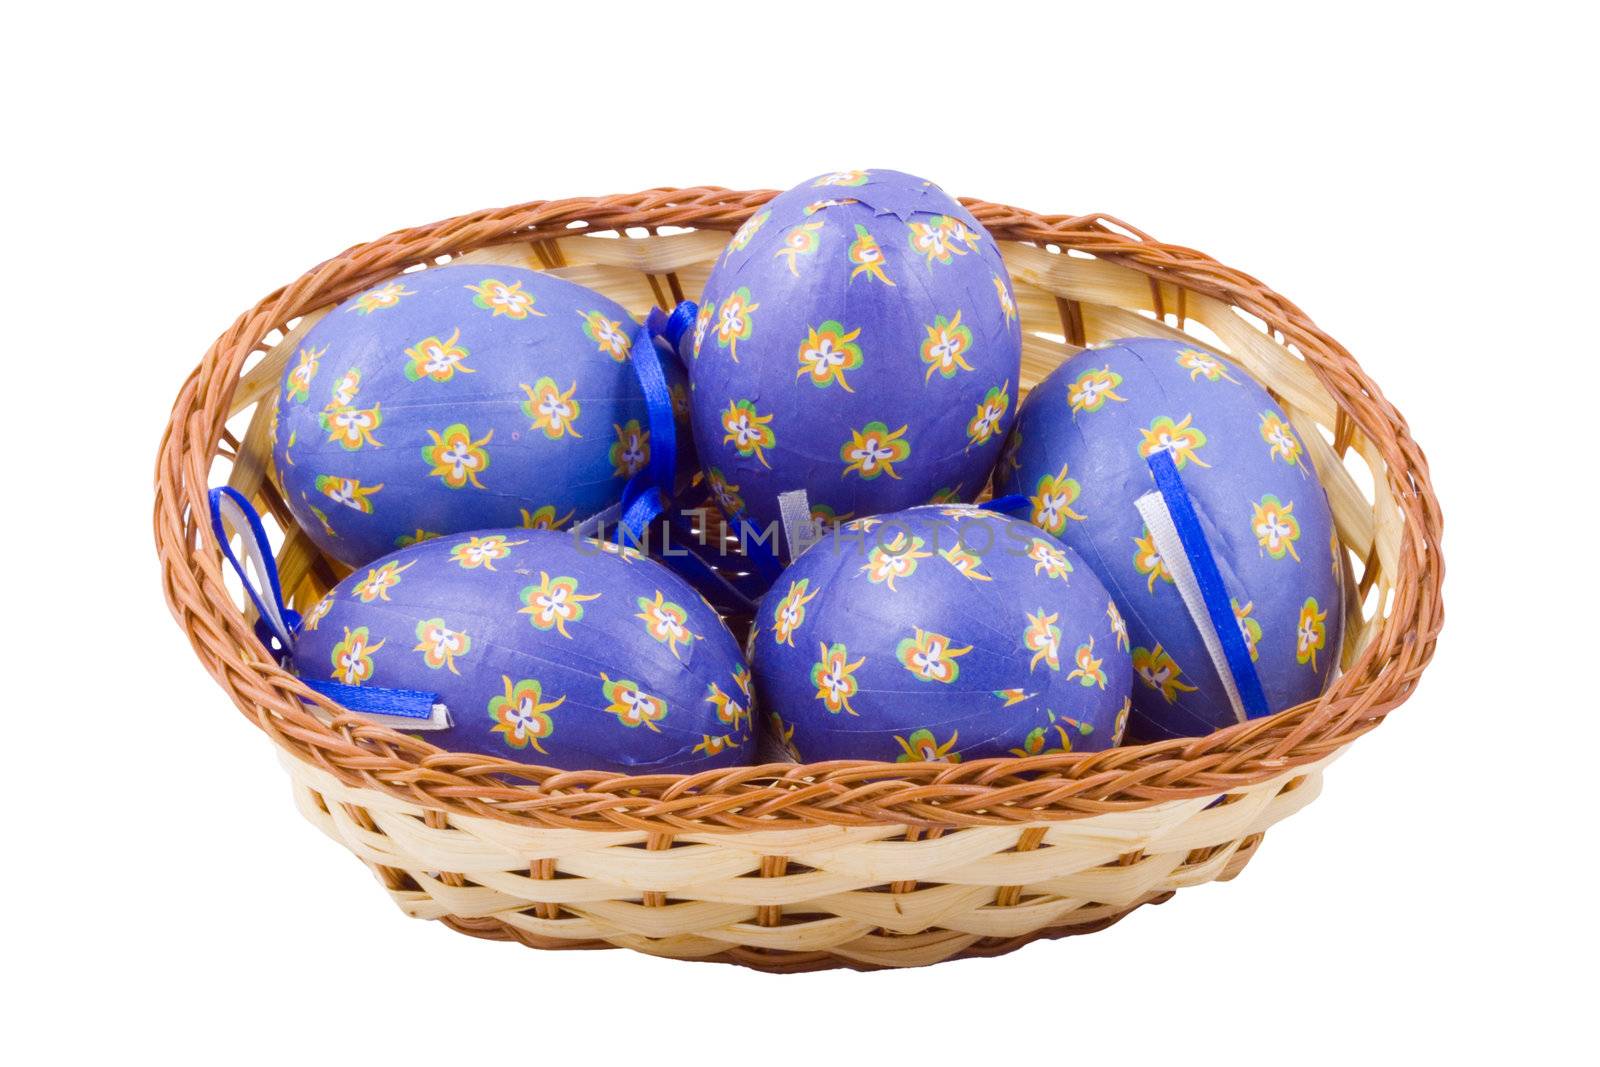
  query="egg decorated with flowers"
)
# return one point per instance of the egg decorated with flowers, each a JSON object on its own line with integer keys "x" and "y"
{"x": 857, "y": 339}
{"x": 1081, "y": 452}
{"x": 458, "y": 398}
{"x": 940, "y": 633}
{"x": 545, "y": 648}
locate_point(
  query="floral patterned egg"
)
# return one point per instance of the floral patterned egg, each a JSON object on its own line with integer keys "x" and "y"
{"x": 1079, "y": 451}
{"x": 858, "y": 339}
{"x": 545, "y": 648}
{"x": 458, "y": 398}
{"x": 941, "y": 633}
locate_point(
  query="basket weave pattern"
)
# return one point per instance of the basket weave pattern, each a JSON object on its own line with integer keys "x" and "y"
{"x": 795, "y": 867}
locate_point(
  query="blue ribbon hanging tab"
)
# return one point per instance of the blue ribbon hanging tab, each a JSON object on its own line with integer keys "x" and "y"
{"x": 1006, "y": 505}
{"x": 277, "y": 624}
{"x": 1174, "y": 500}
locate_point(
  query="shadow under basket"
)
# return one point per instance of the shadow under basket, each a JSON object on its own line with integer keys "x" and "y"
{"x": 786, "y": 867}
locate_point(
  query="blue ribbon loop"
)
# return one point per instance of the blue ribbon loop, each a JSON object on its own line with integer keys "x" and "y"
{"x": 277, "y": 625}
{"x": 652, "y": 491}
{"x": 1208, "y": 576}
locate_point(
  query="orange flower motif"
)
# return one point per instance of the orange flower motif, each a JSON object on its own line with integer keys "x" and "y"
{"x": 665, "y": 621}
{"x": 834, "y": 676}
{"x": 1120, "y": 727}
{"x": 384, "y": 296}
{"x": 1008, "y": 306}
{"x": 1043, "y": 639}
{"x": 923, "y": 747}
{"x": 1179, "y": 440}
{"x": 1249, "y": 628}
{"x": 1049, "y": 560}
{"x": 521, "y": 716}
{"x": 353, "y": 428}
{"x": 379, "y": 580}
{"x": 932, "y": 241}
{"x": 1119, "y": 626}
{"x": 1275, "y": 527}
{"x": 1052, "y": 501}
{"x": 1310, "y": 634}
{"x": 736, "y": 321}
{"x": 630, "y": 453}
{"x": 607, "y": 335}
{"x": 456, "y": 458}
{"x": 317, "y": 613}
{"x": 554, "y": 602}
{"x": 783, "y": 734}
{"x": 1281, "y": 441}
{"x": 437, "y": 360}
{"x": 930, "y": 656}
{"x": 748, "y": 430}
{"x": 632, "y": 706}
{"x": 352, "y": 657}
{"x": 848, "y": 178}
{"x": 725, "y": 492}
{"x": 1148, "y": 561}
{"x": 965, "y": 562}
{"x": 742, "y": 236}
{"x": 897, "y": 559}
{"x": 791, "y": 612}
{"x": 867, "y": 257}
{"x": 1204, "y": 365}
{"x": 498, "y": 298}
{"x": 1088, "y": 670}
{"x": 347, "y": 491}
{"x": 986, "y": 422}
{"x": 345, "y": 390}
{"x": 960, "y": 232}
{"x": 1034, "y": 743}
{"x": 801, "y": 240}
{"x": 544, "y": 518}
{"x": 482, "y": 552}
{"x": 551, "y": 410}
{"x": 702, "y": 325}
{"x": 715, "y": 746}
{"x": 1160, "y": 672}
{"x": 729, "y": 711}
{"x": 416, "y": 537}
{"x": 1093, "y": 388}
{"x": 945, "y": 346}
{"x": 440, "y": 645}
{"x": 873, "y": 450}
{"x": 826, "y": 353}
{"x": 298, "y": 385}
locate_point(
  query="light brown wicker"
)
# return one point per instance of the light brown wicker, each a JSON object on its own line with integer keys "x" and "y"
{"x": 789, "y": 867}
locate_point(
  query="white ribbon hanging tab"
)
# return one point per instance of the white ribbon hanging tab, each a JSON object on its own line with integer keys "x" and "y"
{"x": 1169, "y": 546}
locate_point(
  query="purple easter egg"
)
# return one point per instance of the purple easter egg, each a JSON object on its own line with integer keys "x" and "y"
{"x": 1079, "y": 451}
{"x": 545, "y": 648}
{"x": 940, "y": 633}
{"x": 858, "y": 339}
{"x": 458, "y": 398}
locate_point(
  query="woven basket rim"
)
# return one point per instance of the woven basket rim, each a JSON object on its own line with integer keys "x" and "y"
{"x": 784, "y": 796}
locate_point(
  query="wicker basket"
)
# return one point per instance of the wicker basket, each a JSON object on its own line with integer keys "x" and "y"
{"x": 789, "y": 867}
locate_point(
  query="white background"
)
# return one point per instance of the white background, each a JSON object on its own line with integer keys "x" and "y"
{"x": 1421, "y": 183}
